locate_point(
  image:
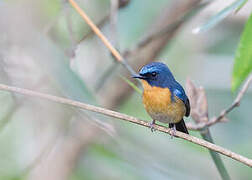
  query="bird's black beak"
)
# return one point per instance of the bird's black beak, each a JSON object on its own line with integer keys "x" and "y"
{"x": 137, "y": 76}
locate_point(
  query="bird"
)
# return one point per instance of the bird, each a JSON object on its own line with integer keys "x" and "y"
{"x": 163, "y": 97}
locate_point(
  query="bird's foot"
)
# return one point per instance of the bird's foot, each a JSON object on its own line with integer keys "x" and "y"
{"x": 173, "y": 132}
{"x": 152, "y": 126}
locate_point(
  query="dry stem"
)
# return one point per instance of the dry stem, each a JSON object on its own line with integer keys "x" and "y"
{"x": 131, "y": 119}
{"x": 214, "y": 120}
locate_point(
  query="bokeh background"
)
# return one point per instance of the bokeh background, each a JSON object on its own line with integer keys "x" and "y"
{"x": 45, "y": 46}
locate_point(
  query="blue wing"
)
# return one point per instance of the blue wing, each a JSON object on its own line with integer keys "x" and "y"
{"x": 180, "y": 93}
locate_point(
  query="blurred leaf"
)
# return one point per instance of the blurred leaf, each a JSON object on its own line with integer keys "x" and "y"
{"x": 132, "y": 85}
{"x": 5, "y": 119}
{"x": 51, "y": 8}
{"x": 214, "y": 20}
{"x": 104, "y": 151}
{"x": 243, "y": 58}
{"x": 239, "y": 8}
{"x": 12, "y": 178}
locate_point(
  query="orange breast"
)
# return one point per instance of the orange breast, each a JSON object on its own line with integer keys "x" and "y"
{"x": 158, "y": 104}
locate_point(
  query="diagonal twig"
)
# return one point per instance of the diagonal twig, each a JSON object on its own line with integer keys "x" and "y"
{"x": 214, "y": 120}
{"x": 131, "y": 119}
{"x": 121, "y": 4}
{"x": 106, "y": 42}
{"x": 96, "y": 30}
{"x": 90, "y": 32}
{"x": 235, "y": 104}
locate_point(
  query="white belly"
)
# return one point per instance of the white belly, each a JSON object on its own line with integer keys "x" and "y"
{"x": 162, "y": 118}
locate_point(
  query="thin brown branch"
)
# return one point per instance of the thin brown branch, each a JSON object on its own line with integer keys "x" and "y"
{"x": 214, "y": 120}
{"x": 90, "y": 32}
{"x": 131, "y": 119}
{"x": 122, "y": 3}
{"x": 98, "y": 32}
{"x": 237, "y": 100}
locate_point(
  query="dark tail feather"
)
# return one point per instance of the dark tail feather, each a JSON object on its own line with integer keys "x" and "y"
{"x": 180, "y": 126}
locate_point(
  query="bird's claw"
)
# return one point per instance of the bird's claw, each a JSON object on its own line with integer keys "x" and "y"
{"x": 152, "y": 126}
{"x": 173, "y": 132}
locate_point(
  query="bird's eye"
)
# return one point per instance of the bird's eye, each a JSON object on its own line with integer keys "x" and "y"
{"x": 153, "y": 74}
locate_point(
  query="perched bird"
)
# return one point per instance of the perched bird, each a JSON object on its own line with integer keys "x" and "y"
{"x": 163, "y": 97}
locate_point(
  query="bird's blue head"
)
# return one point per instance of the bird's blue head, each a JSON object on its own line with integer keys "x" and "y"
{"x": 156, "y": 74}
